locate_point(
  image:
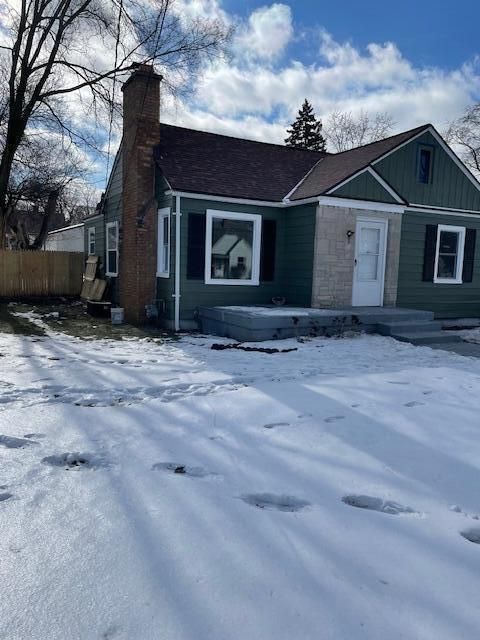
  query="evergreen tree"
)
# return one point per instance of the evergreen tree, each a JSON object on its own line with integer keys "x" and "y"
{"x": 306, "y": 131}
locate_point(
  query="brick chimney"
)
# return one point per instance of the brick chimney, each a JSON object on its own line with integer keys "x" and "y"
{"x": 138, "y": 245}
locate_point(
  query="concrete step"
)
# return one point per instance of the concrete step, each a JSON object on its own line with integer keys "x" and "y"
{"x": 426, "y": 337}
{"x": 412, "y": 326}
{"x": 386, "y": 316}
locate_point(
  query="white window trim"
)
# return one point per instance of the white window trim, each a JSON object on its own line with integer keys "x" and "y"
{"x": 108, "y": 226}
{"x": 162, "y": 214}
{"x": 460, "y": 253}
{"x": 256, "y": 247}
{"x": 90, "y": 233}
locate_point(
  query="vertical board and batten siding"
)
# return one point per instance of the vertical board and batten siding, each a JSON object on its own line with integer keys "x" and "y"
{"x": 40, "y": 273}
{"x": 297, "y": 266}
{"x": 195, "y": 293}
{"x": 449, "y": 187}
{"x": 365, "y": 187}
{"x": 445, "y": 300}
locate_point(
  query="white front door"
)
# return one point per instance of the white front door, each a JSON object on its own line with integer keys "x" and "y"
{"x": 369, "y": 268}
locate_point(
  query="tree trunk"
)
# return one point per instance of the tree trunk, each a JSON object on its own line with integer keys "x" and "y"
{"x": 50, "y": 209}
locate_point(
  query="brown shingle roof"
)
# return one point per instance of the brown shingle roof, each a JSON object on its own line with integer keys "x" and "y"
{"x": 212, "y": 164}
{"x": 335, "y": 168}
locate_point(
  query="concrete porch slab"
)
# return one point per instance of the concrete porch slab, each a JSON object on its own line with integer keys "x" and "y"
{"x": 257, "y": 323}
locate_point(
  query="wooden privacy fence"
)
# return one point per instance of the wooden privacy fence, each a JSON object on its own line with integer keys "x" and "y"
{"x": 40, "y": 273}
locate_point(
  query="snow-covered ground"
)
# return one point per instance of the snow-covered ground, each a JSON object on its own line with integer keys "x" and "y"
{"x": 174, "y": 492}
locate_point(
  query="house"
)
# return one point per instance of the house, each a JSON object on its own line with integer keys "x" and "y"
{"x": 66, "y": 239}
{"x": 193, "y": 219}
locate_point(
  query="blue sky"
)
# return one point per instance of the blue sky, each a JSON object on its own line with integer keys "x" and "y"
{"x": 442, "y": 32}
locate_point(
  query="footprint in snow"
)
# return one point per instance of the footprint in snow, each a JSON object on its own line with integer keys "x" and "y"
{"x": 272, "y": 425}
{"x": 74, "y": 460}
{"x": 472, "y": 535}
{"x": 413, "y": 403}
{"x": 15, "y": 443}
{"x": 5, "y": 496}
{"x": 377, "y": 504}
{"x": 274, "y": 502}
{"x": 456, "y": 509}
{"x": 333, "y": 418}
{"x": 182, "y": 469}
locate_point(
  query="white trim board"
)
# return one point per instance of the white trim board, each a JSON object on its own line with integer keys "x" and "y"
{"x": 108, "y": 250}
{"x": 459, "y": 256}
{"x": 426, "y": 208}
{"x": 163, "y": 214}
{"x": 281, "y": 204}
{"x": 256, "y": 219}
{"x": 361, "y": 205}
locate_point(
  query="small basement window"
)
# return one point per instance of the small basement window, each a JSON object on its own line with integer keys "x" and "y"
{"x": 91, "y": 241}
{"x": 232, "y": 248}
{"x": 163, "y": 248}
{"x": 425, "y": 161}
{"x": 112, "y": 249}
{"x": 449, "y": 254}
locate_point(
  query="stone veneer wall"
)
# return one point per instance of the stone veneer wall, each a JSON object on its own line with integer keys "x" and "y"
{"x": 335, "y": 253}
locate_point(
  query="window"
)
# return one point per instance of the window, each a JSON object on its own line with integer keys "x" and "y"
{"x": 112, "y": 249}
{"x": 449, "y": 254}
{"x": 424, "y": 168}
{"x": 163, "y": 248}
{"x": 232, "y": 253}
{"x": 91, "y": 241}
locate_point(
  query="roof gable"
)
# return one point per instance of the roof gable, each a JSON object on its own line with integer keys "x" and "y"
{"x": 451, "y": 186}
{"x": 367, "y": 186}
{"x": 334, "y": 169}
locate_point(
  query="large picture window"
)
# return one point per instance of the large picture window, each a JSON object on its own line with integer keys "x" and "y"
{"x": 112, "y": 249}
{"x": 449, "y": 254}
{"x": 163, "y": 249}
{"x": 232, "y": 254}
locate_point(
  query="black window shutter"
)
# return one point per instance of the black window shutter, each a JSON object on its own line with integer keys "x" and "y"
{"x": 429, "y": 253}
{"x": 469, "y": 255}
{"x": 267, "y": 259}
{"x": 196, "y": 245}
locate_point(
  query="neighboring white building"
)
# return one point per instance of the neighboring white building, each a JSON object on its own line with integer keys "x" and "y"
{"x": 66, "y": 239}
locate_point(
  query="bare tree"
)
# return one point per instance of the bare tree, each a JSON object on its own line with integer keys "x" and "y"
{"x": 344, "y": 130}
{"x": 44, "y": 171}
{"x": 60, "y": 58}
{"x": 464, "y": 133}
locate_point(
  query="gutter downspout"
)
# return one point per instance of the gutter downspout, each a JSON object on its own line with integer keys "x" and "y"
{"x": 176, "y": 295}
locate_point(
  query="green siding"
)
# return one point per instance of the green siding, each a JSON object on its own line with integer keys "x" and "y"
{"x": 195, "y": 293}
{"x": 293, "y": 277}
{"x": 446, "y": 300}
{"x": 449, "y": 188}
{"x": 365, "y": 187}
{"x": 298, "y": 254}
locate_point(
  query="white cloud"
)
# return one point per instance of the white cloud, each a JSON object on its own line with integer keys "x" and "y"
{"x": 249, "y": 97}
{"x": 266, "y": 34}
